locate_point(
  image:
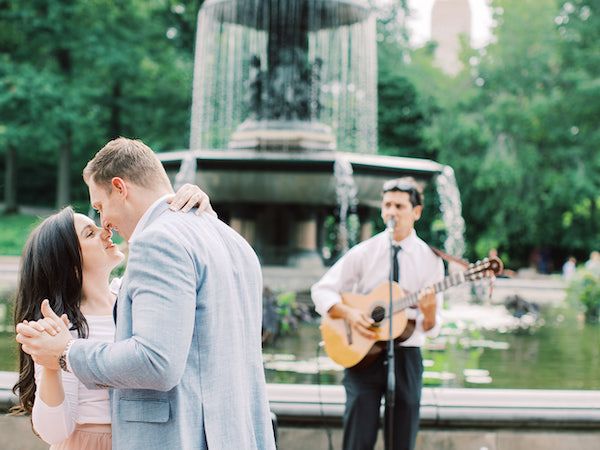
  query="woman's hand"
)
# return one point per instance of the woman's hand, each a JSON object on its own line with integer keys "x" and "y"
{"x": 189, "y": 196}
{"x": 46, "y": 325}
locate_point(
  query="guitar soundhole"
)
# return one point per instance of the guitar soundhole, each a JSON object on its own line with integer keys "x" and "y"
{"x": 378, "y": 314}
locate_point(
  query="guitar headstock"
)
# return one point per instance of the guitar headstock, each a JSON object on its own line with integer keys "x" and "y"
{"x": 487, "y": 267}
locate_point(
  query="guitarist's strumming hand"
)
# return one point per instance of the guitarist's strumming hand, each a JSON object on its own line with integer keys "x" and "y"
{"x": 428, "y": 307}
{"x": 357, "y": 320}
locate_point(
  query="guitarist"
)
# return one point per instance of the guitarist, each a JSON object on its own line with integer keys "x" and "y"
{"x": 361, "y": 269}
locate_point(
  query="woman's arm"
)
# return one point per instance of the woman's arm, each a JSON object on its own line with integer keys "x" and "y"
{"x": 55, "y": 406}
{"x": 50, "y": 389}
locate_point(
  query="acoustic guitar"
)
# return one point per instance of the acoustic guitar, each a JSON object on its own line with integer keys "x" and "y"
{"x": 347, "y": 347}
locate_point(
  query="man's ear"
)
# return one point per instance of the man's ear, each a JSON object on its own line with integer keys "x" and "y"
{"x": 119, "y": 185}
{"x": 417, "y": 211}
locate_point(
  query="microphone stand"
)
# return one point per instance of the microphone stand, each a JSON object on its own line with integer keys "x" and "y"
{"x": 390, "y": 395}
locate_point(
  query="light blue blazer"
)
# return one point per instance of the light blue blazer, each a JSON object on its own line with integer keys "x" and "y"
{"x": 186, "y": 369}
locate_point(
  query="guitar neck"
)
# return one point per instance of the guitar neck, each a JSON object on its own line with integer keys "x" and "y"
{"x": 412, "y": 299}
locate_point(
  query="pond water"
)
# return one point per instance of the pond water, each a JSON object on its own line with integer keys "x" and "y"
{"x": 487, "y": 347}
{"x": 480, "y": 346}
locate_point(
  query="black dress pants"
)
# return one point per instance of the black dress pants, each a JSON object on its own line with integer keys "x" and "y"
{"x": 364, "y": 391}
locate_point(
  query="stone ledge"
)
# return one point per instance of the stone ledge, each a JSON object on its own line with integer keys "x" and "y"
{"x": 310, "y": 405}
{"x": 461, "y": 408}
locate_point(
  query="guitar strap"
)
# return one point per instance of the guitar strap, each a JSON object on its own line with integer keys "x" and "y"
{"x": 447, "y": 257}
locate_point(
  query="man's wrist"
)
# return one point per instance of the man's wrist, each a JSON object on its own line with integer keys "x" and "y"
{"x": 63, "y": 360}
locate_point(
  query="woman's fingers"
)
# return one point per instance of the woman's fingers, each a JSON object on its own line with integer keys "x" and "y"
{"x": 45, "y": 325}
{"x": 26, "y": 330}
{"x": 191, "y": 196}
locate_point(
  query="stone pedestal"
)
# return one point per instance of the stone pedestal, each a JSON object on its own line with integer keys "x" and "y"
{"x": 305, "y": 242}
{"x": 282, "y": 134}
{"x": 366, "y": 231}
{"x": 245, "y": 227}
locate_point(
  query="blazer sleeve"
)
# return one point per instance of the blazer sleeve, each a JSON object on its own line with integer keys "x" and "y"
{"x": 54, "y": 424}
{"x": 162, "y": 287}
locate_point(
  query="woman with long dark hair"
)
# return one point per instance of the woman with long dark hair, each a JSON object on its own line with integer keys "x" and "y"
{"x": 67, "y": 261}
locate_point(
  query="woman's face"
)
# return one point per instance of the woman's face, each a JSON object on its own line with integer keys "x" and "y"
{"x": 97, "y": 249}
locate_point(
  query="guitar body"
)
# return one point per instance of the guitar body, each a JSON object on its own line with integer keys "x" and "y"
{"x": 349, "y": 348}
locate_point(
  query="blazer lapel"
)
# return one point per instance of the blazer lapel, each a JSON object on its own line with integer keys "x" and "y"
{"x": 161, "y": 208}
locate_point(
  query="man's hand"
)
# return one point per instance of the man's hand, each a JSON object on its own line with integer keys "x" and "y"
{"x": 37, "y": 338}
{"x": 428, "y": 306}
{"x": 187, "y": 197}
{"x": 357, "y": 320}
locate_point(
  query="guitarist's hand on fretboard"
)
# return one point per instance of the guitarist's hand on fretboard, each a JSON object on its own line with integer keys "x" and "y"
{"x": 355, "y": 319}
{"x": 428, "y": 307}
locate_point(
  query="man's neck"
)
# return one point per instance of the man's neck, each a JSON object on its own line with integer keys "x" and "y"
{"x": 147, "y": 200}
{"x": 399, "y": 236}
{"x": 144, "y": 200}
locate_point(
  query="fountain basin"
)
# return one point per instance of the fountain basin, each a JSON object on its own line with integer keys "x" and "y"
{"x": 256, "y": 14}
{"x": 299, "y": 178}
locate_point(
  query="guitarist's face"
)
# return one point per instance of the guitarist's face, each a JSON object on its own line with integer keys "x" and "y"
{"x": 397, "y": 205}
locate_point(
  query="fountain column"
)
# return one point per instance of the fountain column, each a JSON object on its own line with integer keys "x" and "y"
{"x": 366, "y": 226}
{"x": 305, "y": 240}
{"x": 244, "y": 225}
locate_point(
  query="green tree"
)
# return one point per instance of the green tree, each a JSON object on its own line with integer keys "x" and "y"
{"x": 82, "y": 72}
{"x": 520, "y": 133}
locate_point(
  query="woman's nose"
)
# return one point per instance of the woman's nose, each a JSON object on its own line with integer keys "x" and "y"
{"x": 106, "y": 234}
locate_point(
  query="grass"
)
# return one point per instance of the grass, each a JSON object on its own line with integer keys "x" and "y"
{"x": 15, "y": 230}
{"x": 8, "y": 353}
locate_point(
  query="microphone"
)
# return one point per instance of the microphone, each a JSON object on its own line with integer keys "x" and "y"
{"x": 390, "y": 225}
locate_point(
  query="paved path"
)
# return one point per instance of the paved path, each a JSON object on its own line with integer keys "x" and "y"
{"x": 9, "y": 272}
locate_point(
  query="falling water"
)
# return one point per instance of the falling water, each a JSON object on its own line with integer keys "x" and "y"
{"x": 186, "y": 173}
{"x": 334, "y": 37}
{"x": 346, "y": 193}
{"x": 451, "y": 208}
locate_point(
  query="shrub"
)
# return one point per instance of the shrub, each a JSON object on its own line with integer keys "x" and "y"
{"x": 585, "y": 289}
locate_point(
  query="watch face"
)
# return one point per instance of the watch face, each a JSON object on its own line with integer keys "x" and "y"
{"x": 62, "y": 362}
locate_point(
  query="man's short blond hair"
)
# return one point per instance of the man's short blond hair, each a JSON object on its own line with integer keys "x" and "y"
{"x": 129, "y": 159}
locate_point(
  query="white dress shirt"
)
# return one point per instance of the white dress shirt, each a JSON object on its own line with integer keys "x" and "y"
{"x": 367, "y": 265}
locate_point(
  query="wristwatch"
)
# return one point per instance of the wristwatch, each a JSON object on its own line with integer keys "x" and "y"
{"x": 62, "y": 359}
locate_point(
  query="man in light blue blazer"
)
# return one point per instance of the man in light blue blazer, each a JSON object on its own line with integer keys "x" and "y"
{"x": 186, "y": 369}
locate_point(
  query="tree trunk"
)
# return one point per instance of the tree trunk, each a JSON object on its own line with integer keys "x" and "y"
{"x": 64, "y": 173}
{"x": 63, "y": 185}
{"x": 10, "y": 189}
{"x": 115, "y": 111}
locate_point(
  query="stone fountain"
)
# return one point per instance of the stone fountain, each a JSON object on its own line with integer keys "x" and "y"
{"x": 283, "y": 128}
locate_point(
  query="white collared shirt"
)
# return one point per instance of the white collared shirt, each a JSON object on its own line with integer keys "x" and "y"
{"x": 80, "y": 405}
{"x": 367, "y": 265}
{"x": 142, "y": 222}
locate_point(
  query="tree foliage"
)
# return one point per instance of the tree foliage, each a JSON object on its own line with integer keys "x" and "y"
{"x": 77, "y": 73}
{"x": 518, "y": 125}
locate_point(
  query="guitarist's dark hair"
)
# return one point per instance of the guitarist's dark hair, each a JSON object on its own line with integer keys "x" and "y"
{"x": 408, "y": 185}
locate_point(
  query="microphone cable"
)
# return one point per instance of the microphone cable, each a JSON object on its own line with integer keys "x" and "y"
{"x": 327, "y": 427}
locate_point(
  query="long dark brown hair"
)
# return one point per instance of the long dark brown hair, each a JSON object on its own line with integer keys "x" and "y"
{"x": 51, "y": 268}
